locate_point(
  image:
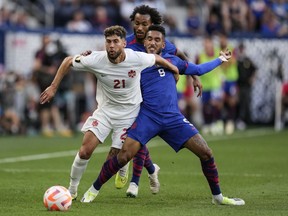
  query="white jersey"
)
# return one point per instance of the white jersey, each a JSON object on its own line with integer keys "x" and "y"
{"x": 118, "y": 85}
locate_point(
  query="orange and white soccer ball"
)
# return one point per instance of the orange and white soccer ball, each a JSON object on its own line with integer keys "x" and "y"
{"x": 57, "y": 198}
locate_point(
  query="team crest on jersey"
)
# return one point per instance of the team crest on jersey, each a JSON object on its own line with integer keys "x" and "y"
{"x": 132, "y": 73}
{"x": 94, "y": 123}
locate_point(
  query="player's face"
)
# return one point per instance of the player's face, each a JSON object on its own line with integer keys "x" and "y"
{"x": 154, "y": 42}
{"x": 114, "y": 46}
{"x": 140, "y": 26}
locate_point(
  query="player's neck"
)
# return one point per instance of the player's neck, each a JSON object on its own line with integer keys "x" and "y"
{"x": 140, "y": 41}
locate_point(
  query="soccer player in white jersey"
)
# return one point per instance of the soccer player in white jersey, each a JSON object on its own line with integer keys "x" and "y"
{"x": 119, "y": 96}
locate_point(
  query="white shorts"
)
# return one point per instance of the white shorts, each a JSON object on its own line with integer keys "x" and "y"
{"x": 101, "y": 125}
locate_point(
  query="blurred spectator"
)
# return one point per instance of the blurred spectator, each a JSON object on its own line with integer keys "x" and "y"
{"x": 170, "y": 24}
{"x": 230, "y": 74}
{"x": 212, "y": 97}
{"x": 159, "y": 4}
{"x": 213, "y": 25}
{"x": 45, "y": 67}
{"x": 10, "y": 119}
{"x": 193, "y": 22}
{"x": 271, "y": 27}
{"x": 79, "y": 23}
{"x": 11, "y": 16}
{"x": 280, "y": 9}
{"x": 113, "y": 11}
{"x": 5, "y": 17}
{"x": 64, "y": 10}
{"x": 246, "y": 72}
{"x": 100, "y": 20}
{"x": 256, "y": 10}
{"x": 126, "y": 8}
{"x": 20, "y": 19}
{"x": 234, "y": 15}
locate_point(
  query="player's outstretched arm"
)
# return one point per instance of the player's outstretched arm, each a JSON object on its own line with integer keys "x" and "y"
{"x": 204, "y": 68}
{"x": 51, "y": 90}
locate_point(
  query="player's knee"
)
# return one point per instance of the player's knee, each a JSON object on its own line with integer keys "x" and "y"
{"x": 124, "y": 157}
{"x": 85, "y": 153}
{"x": 206, "y": 155}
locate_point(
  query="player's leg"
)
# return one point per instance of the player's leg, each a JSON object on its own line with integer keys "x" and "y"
{"x": 140, "y": 160}
{"x": 153, "y": 171}
{"x": 111, "y": 167}
{"x": 95, "y": 133}
{"x": 118, "y": 137}
{"x": 90, "y": 142}
{"x": 198, "y": 146}
{"x": 138, "y": 164}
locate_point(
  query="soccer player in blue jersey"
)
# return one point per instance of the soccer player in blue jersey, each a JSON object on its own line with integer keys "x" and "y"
{"x": 160, "y": 111}
{"x": 142, "y": 17}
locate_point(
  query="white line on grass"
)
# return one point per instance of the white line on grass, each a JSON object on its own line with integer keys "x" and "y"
{"x": 249, "y": 175}
{"x": 153, "y": 143}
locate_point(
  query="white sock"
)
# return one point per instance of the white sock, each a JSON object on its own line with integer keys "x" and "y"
{"x": 218, "y": 197}
{"x": 124, "y": 169}
{"x": 78, "y": 167}
{"x": 92, "y": 189}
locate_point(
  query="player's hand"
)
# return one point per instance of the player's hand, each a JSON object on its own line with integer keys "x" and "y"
{"x": 48, "y": 94}
{"x": 176, "y": 77}
{"x": 197, "y": 85}
{"x": 225, "y": 56}
{"x": 86, "y": 53}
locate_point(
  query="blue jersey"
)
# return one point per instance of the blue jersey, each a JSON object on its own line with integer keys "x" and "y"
{"x": 159, "y": 113}
{"x": 159, "y": 88}
{"x": 134, "y": 45}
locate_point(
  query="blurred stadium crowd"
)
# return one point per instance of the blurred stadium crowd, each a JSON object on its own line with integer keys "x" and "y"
{"x": 20, "y": 112}
{"x": 189, "y": 17}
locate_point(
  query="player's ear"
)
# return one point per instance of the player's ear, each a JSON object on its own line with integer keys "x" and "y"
{"x": 163, "y": 45}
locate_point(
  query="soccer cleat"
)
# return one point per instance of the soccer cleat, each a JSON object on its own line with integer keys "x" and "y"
{"x": 121, "y": 178}
{"x": 74, "y": 196}
{"x": 73, "y": 192}
{"x": 154, "y": 182}
{"x": 228, "y": 201}
{"x": 132, "y": 190}
{"x": 90, "y": 195}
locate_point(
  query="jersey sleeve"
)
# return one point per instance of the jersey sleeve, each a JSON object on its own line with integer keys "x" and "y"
{"x": 81, "y": 62}
{"x": 201, "y": 69}
{"x": 147, "y": 59}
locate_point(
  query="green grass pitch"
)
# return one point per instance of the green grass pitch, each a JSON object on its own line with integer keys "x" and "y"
{"x": 252, "y": 165}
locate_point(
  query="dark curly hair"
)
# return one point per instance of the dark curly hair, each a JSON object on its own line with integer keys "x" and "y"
{"x": 156, "y": 18}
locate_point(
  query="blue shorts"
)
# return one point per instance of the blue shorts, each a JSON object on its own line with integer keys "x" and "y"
{"x": 230, "y": 88}
{"x": 174, "y": 129}
{"x": 216, "y": 94}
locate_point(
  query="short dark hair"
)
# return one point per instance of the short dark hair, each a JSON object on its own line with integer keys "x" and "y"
{"x": 156, "y": 18}
{"x": 115, "y": 30}
{"x": 158, "y": 28}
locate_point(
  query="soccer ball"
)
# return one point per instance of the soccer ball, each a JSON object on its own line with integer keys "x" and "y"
{"x": 57, "y": 198}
